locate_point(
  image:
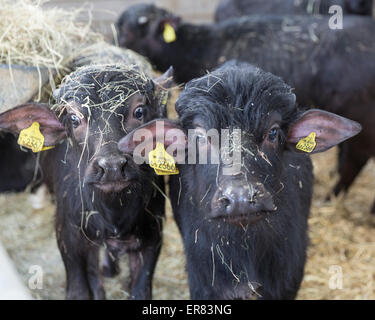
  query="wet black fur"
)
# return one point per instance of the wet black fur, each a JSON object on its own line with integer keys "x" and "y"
{"x": 133, "y": 217}
{"x": 270, "y": 254}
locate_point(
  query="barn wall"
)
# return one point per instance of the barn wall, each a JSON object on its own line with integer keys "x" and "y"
{"x": 105, "y": 12}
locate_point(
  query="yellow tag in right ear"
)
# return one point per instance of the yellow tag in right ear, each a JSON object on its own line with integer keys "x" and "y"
{"x": 307, "y": 144}
{"x": 47, "y": 148}
{"x": 161, "y": 161}
{"x": 32, "y": 138}
{"x": 169, "y": 34}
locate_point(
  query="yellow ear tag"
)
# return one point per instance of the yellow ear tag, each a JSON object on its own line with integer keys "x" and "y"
{"x": 165, "y": 100}
{"x": 307, "y": 144}
{"x": 32, "y": 138}
{"x": 161, "y": 161}
{"x": 169, "y": 34}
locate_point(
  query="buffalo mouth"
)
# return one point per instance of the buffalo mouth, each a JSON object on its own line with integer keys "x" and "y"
{"x": 112, "y": 186}
{"x": 243, "y": 218}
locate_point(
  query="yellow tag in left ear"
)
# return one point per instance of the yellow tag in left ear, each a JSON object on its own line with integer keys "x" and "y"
{"x": 161, "y": 161}
{"x": 307, "y": 144}
{"x": 32, "y": 138}
{"x": 169, "y": 34}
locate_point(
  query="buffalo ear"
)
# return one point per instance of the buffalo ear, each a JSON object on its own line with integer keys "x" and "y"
{"x": 23, "y": 116}
{"x": 165, "y": 81}
{"x": 159, "y": 130}
{"x": 323, "y": 128}
{"x": 172, "y": 23}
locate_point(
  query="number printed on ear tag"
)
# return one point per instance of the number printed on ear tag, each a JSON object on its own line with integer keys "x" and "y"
{"x": 308, "y": 143}
{"x": 161, "y": 161}
{"x": 32, "y": 138}
{"x": 169, "y": 34}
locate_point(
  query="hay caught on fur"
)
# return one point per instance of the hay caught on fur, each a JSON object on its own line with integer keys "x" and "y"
{"x": 84, "y": 83}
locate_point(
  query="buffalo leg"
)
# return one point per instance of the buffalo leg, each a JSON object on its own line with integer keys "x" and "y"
{"x": 93, "y": 273}
{"x": 142, "y": 266}
{"x": 373, "y": 208}
{"x": 110, "y": 266}
{"x": 81, "y": 263}
{"x": 350, "y": 164}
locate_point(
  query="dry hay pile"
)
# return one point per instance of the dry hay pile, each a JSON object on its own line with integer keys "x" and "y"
{"x": 47, "y": 39}
{"x": 341, "y": 232}
{"x": 30, "y": 35}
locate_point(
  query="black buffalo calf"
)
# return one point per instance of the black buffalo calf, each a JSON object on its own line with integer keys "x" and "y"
{"x": 244, "y": 229}
{"x": 103, "y": 197}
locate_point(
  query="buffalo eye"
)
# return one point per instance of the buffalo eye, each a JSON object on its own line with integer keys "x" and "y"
{"x": 75, "y": 120}
{"x": 273, "y": 134}
{"x": 143, "y": 20}
{"x": 139, "y": 113}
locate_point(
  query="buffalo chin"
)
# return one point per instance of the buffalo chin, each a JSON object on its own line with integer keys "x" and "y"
{"x": 112, "y": 186}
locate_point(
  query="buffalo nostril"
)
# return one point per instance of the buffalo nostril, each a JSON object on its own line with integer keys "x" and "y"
{"x": 101, "y": 170}
{"x": 123, "y": 163}
{"x": 252, "y": 197}
{"x": 111, "y": 167}
{"x": 100, "y": 167}
{"x": 102, "y": 164}
{"x": 226, "y": 203}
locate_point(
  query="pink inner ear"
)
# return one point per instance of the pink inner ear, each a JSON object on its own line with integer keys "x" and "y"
{"x": 23, "y": 116}
{"x": 310, "y": 123}
{"x": 330, "y": 129}
{"x": 164, "y": 131}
